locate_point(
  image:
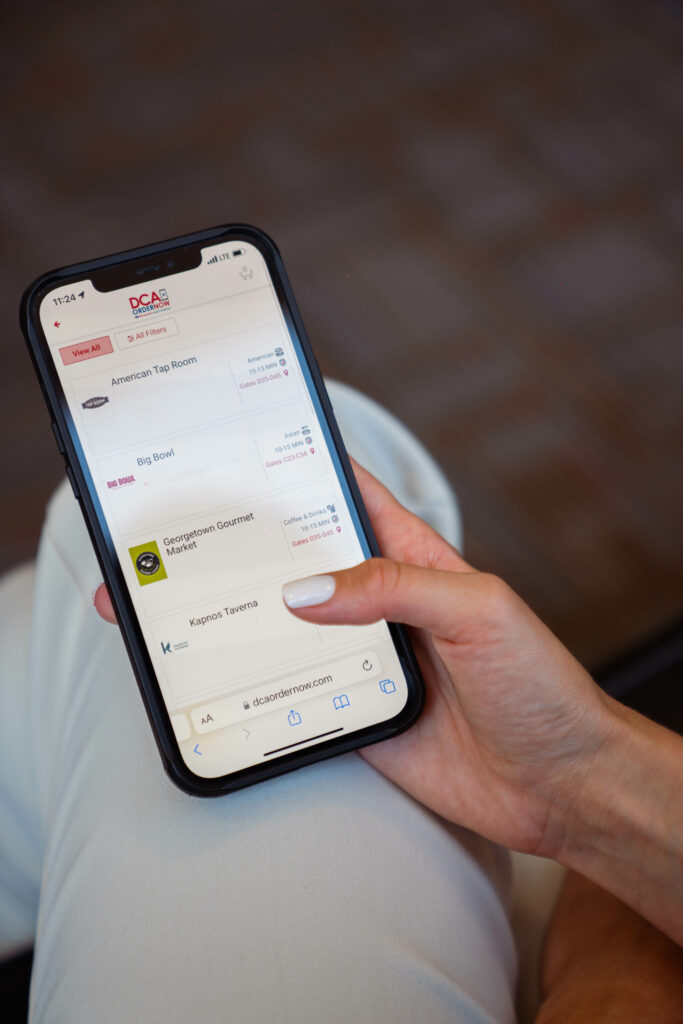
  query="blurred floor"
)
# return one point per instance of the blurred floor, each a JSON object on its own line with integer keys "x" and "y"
{"x": 481, "y": 209}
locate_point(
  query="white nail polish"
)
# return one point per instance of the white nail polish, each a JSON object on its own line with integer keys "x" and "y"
{"x": 309, "y": 591}
{"x": 92, "y": 596}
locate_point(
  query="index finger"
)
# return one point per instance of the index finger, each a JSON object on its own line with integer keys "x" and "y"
{"x": 401, "y": 534}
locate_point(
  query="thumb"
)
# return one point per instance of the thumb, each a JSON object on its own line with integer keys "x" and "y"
{"x": 444, "y": 603}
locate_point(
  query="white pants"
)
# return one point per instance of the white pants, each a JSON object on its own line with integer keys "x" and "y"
{"x": 325, "y": 895}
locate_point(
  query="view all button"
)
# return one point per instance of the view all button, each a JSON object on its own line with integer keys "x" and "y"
{"x": 86, "y": 350}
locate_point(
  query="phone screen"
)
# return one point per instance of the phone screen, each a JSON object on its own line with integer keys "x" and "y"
{"x": 198, "y": 421}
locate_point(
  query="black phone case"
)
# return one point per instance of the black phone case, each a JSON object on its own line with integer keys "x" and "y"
{"x": 120, "y": 265}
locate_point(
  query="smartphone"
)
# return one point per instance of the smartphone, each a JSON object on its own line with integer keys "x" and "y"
{"x": 202, "y": 448}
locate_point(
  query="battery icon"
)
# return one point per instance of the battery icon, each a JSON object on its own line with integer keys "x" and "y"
{"x": 238, "y": 252}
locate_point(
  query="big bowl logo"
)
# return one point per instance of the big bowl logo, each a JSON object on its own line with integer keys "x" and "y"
{"x": 149, "y": 302}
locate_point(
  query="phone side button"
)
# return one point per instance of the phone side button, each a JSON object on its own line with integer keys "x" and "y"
{"x": 74, "y": 486}
{"x": 58, "y": 437}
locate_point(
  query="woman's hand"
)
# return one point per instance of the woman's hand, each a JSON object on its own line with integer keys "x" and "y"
{"x": 516, "y": 741}
{"x": 512, "y": 721}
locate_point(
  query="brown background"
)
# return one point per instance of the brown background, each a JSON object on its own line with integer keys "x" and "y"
{"x": 481, "y": 209}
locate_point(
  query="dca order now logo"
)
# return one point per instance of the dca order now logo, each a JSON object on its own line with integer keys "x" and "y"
{"x": 149, "y": 302}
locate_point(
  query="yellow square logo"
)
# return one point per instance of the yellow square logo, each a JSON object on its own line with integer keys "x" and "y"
{"x": 147, "y": 561}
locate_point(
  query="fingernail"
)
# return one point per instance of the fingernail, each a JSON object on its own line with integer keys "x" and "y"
{"x": 92, "y": 596}
{"x": 309, "y": 591}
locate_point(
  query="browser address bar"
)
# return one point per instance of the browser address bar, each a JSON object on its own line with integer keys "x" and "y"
{"x": 268, "y": 696}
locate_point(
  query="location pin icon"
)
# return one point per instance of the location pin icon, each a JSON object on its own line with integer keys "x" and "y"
{"x": 286, "y": 373}
{"x": 339, "y": 529}
{"x": 312, "y": 451}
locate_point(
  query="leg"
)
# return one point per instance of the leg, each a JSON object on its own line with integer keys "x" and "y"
{"x": 324, "y": 895}
{"x": 604, "y": 962}
{"x": 388, "y": 450}
{"x": 21, "y": 841}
